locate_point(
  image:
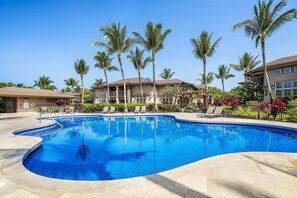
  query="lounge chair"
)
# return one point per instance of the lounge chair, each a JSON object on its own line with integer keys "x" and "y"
{"x": 217, "y": 112}
{"x": 209, "y": 110}
{"x": 67, "y": 110}
{"x": 143, "y": 109}
{"x": 112, "y": 109}
{"x": 105, "y": 110}
{"x": 137, "y": 109}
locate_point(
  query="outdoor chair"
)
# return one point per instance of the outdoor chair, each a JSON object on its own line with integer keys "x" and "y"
{"x": 143, "y": 109}
{"x": 209, "y": 110}
{"x": 105, "y": 110}
{"x": 137, "y": 109}
{"x": 67, "y": 110}
{"x": 217, "y": 112}
{"x": 112, "y": 109}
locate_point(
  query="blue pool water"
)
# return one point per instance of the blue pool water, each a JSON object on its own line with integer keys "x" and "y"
{"x": 107, "y": 148}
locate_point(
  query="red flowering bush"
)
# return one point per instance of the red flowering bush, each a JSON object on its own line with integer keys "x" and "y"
{"x": 151, "y": 107}
{"x": 218, "y": 103}
{"x": 273, "y": 109}
{"x": 61, "y": 102}
{"x": 231, "y": 101}
{"x": 277, "y": 107}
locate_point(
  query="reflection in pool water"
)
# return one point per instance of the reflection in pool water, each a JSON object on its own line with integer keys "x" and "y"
{"x": 106, "y": 148}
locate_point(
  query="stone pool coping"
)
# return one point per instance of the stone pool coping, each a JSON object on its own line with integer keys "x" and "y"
{"x": 230, "y": 175}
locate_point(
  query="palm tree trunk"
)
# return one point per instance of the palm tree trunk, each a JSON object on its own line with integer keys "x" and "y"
{"x": 204, "y": 71}
{"x": 141, "y": 89}
{"x": 154, "y": 78}
{"x": 265, "y": 70}
{"x": 223, "y": 87}
{"x": 123, "y": 76}
{"x": 108, "y": 94}
{"x": 83, "y": 90}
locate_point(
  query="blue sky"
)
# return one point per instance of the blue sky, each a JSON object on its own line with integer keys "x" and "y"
{"x": 41, "y": 37}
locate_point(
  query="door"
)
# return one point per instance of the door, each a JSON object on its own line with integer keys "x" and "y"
{"x": 26, "y": 103}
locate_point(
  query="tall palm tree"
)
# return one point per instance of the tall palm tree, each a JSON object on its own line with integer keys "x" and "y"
{"x": 203, "y": 48}
{"x": 167, "y": 73}
{"x": 246, "y": 63}
{"x": 118, "y": 43}
{"x": 71, "y": 82}
{"x": 82, "y": 69}
{"x": 153, "y": 40}
{"x": 98, "y": 82}
{"x": 136, "y": 57}
{"x": 209, "y": 78}
{"x": 223, "y": 74}
{"x": 44, "y": 82}
{"x": 105, "y": 62}
{"x": 265, "y": 22}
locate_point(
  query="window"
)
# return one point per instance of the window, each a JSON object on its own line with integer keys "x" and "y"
{"x": 287, "y": 88}
{"x": 51, "y": 100}
{"x": 277, "y": 71}
{"x": 278, "y": 89}
{"x": 287, "y": 70}
{"x": 295, "y": 88}
{"x": 295, "y": 69}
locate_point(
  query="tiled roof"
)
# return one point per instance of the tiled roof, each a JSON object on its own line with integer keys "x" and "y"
{"x": 29, "y": 92}
{"x": 278, "y": 62}
{"x": 135, "y": 81}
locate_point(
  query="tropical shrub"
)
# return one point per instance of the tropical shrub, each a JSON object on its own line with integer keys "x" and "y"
{"x": 273, "y": 109}
{"x": 97, "y": 108}
{"x": 229, "y": 101}
{"x": 277, "y": 107}
{"x": 292, "y": 114}
{"x": 168, "y": 107}
{"x": 218, "y": 103}
{"x": 61, "y": 102}
{"x": 244, "y": 113}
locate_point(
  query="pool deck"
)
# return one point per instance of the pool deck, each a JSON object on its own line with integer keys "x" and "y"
{"x": 233, "y": 175}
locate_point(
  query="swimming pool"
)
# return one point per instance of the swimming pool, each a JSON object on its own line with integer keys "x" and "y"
{"x": 106, "y": 148}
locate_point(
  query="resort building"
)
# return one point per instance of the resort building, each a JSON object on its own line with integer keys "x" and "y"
{"x": 282, "y": 74}
{"x": 14, "y": 99}
{"x": 133, "y": 90}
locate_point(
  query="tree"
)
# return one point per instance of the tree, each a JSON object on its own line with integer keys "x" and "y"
{"x": 105, "y": 62}
{"x": 44, "y": 82}
{"x": 98, "y": 82}
{"x": 72, "y": 83}
{"x": 6, "y": 84}
{"x": 203, "y": 48}
{"x": 209, "y": 78}
{"x": 153, "y": 41}
{"x": 137, "y": 60}
{"x": 223, "y": 74}
{"x": 246, "y": 63}
{"x": 81, "y": 69}
{"x": 67, "y": 89}
{"x": 167, "y": 73}
{"x": 267, "y": 20}
{"x": 117, "y": 42}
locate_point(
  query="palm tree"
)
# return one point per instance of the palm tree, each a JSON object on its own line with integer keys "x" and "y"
{"x": 6, "y": 84}
{"x": 153, "y": 40}
{"x": 209, "y": 78}
{"x": 167, "y": 73}
{"x": 137, "y": 60}
{"x": 223, "y": 74}
{"x": 71, "y": 82}
{"x": 117, "y": 42}
{"x": 82, "y": 69}
{"x": 265, "y": 22}
{"x": 67, "y": 89}
{"x": 203, "y": 48}
{"x": 98, "y": 82}
{"x": 44, "y": 82}
{"x": 246, "y": 63}
{"x": 105, "y": 62}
